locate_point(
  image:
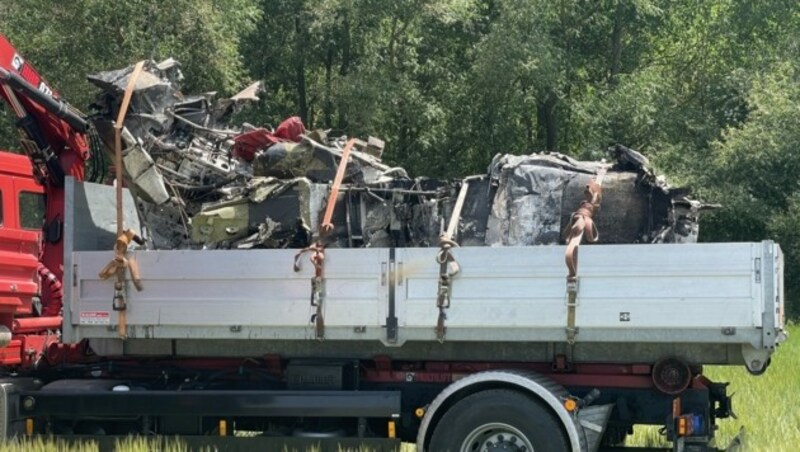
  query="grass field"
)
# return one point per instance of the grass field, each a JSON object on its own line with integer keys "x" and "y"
{"x": 768, "y": 408}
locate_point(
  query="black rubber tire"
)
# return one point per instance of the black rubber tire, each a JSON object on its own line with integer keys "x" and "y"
{"x": 539, "y": 425}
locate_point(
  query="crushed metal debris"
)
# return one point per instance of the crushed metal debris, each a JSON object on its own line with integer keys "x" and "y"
{"x": 202, "y": 182}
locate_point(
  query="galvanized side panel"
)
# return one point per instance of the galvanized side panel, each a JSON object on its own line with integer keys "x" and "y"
{"x": 701, "y": 293}
{"x": 626, "y": 292}
{"x": 252, "y": 294}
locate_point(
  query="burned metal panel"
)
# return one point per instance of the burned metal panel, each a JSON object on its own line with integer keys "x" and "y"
{"x": 473, "y": 226}
{"x": 527, "y": 206}
{"x": 537, "y": 195}
{"x": 628, "y": 211}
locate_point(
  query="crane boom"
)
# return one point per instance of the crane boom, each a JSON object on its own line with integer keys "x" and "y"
{"x": 53, "y": 135}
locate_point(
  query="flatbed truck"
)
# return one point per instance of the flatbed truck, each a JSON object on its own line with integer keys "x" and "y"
{"x": 223, "y": 342}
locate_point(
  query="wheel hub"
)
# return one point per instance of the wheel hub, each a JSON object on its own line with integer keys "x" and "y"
{"x": 496, "y": 437}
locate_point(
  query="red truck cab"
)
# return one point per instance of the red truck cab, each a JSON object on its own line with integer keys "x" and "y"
{"x": 21, "y": 219}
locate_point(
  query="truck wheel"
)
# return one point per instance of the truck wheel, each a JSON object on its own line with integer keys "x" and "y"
{"x": 498, "y": 420}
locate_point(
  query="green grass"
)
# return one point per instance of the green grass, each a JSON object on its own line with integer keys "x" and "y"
{"x": 130, "y": 444}
{"x": 137, "y": 444}
{"x": 767, "y": 406}
{"x": 45, "y": 445}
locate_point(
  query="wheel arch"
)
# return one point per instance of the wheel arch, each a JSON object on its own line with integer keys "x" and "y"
{"x": 540, "y": 388}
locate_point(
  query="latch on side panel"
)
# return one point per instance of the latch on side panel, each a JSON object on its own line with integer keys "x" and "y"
{"x": 392, "y": 324}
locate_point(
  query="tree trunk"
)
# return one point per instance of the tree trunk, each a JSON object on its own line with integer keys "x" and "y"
{"x": 527, "y": 120}
{"x": 548, "y": 122}
{"x": 345, "y": 66}
{"x": 300, "y": 65}
{"x": 328, "y": 113}
{"x": 552, "y": 124}
{"x": 616, "y": 45}
{"x": 392, "y": 39}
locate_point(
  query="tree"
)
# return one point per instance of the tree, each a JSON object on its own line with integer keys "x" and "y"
{"x": 68, "y": 40}
{"x": 755, "y": 172}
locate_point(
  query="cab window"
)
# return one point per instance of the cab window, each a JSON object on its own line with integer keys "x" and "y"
{"x": 31, "y": 210}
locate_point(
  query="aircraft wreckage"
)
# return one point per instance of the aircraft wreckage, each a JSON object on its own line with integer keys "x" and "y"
{"x": 201, "y": 182}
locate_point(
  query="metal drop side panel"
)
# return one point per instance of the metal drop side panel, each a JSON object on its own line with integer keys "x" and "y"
{"x": 237, "y": 294}
{"x": 650, "y": 293}
{"x": 704, "y": 293}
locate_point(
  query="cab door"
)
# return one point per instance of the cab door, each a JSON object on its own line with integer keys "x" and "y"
{"x": 21, "y": 218}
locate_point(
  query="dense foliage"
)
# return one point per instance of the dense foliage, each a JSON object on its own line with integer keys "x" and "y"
{"x": 708, "y": 89}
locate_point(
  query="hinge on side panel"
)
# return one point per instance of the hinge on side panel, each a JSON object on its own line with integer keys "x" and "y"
{"x": 572, "y": 303}
{"x": 757, "y": 268}
{"x": 391, "y": 317}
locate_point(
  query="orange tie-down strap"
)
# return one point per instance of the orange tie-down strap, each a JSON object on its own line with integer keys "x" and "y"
{"x": 117, "y": 268}
{"x": 317, "y": 250}
{"x": 124, "y": 236}
{"x": 327, "y": 226}
{"x": 583, "y": 226}
{"x": 121, "y": 262}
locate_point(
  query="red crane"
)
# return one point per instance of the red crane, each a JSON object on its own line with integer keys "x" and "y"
{"x": 53, "y": 136}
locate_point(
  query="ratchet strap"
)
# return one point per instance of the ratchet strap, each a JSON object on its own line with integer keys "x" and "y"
{"x": 124, "y": 236}
{"x": 117, "y": 268}
{"x": 317, "y": 249}
{"x": 120, "y": 262}
{"x": 582, "y": 225}
{"x": 318, "y": 260}
{"x": 448, "y": 267}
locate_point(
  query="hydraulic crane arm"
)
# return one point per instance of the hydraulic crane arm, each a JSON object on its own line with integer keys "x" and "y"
{"x": 53, "y": 105}
{"x": 53, "y": 135}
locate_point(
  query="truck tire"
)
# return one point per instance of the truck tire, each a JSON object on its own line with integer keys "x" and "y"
{"x": 498, "y": 420}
